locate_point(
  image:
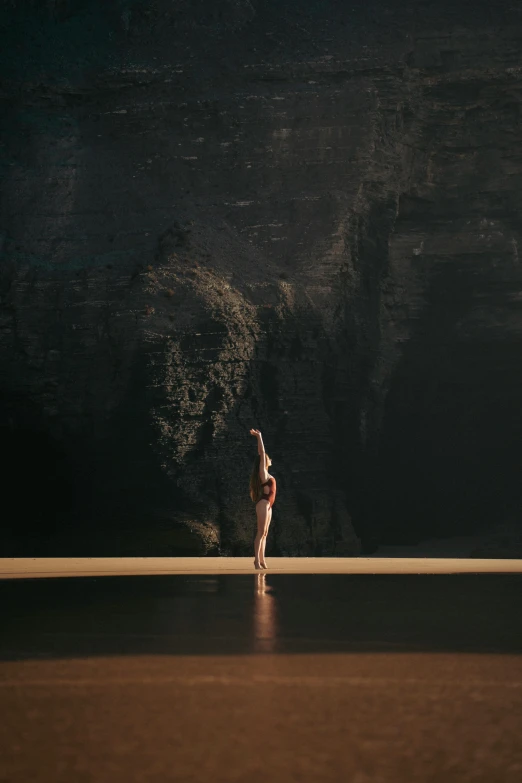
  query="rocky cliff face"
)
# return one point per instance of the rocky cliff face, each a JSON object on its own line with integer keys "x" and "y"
{"x": 299, "y": 217}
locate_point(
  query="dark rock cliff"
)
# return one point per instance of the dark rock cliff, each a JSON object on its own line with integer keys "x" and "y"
{"x": 302, "y": 217}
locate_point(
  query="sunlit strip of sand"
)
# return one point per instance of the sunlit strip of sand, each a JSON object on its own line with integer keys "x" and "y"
{"x": 27, "y": 567}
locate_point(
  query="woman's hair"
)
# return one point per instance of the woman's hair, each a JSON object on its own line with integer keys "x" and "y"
{"x": 255, "y": 481}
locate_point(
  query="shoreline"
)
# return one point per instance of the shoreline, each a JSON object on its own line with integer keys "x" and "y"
{"x": 52, "y": 567}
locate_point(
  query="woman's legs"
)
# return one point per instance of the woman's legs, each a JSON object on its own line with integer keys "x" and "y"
{"x": 263, "y": 521}
{"x": 263, "y": 540}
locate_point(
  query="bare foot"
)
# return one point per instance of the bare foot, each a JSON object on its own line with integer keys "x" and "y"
{"x": 257, "y": 566}
{"x": 264, "y": 565}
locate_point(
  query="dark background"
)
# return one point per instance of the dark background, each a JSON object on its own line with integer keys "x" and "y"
{"x": 352, "y": 172}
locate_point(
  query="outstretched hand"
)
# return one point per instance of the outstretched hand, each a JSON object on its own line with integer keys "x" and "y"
{"x": 255, "y": 432}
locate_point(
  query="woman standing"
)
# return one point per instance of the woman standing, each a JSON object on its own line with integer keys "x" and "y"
{"x": 262, "y": 492}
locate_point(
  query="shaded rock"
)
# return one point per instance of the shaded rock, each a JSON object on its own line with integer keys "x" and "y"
{"x": 299, "y": 217}
{"x": 504, "y": 541}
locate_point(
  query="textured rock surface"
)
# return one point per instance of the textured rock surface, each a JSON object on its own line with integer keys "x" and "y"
{"x": 300, "y": 217}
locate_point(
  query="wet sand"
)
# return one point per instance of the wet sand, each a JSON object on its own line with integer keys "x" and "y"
{"x": 403, "y": 675}
{"x": 23, "y": 567}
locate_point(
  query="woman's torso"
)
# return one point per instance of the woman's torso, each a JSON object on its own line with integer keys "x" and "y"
{"x": 272, "y": 488}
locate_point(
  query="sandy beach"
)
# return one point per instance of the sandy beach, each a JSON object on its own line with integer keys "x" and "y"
{"x": 192, "y": 669}
{"x": 23, "y": 568}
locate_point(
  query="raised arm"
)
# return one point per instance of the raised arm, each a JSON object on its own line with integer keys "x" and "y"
{"x": 263, "y": 473}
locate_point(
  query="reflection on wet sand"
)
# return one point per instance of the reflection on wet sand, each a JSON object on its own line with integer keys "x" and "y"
{"x": 354, "y": 677}
{"x": 265, "y": 616}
